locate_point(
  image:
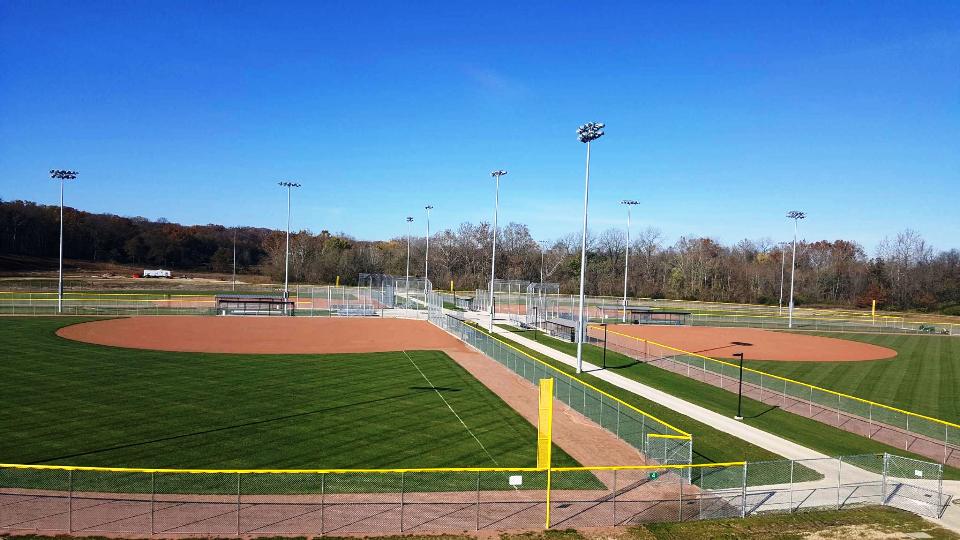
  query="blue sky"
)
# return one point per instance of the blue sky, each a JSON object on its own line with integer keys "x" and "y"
{"x": 720, "y": 116}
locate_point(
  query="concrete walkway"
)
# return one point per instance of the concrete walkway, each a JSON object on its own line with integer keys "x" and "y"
{"x": 758, "y": 437}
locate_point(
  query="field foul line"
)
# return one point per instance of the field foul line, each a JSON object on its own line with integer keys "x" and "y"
{"x": 422, "y": 374}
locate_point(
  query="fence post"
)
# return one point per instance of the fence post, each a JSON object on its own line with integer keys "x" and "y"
{"x": 791, "y": 485}
{"x": 153, "y": 491}
{"x": 401, "y": 501}
{"x": 323, "y": 493}
{"x": 618, "y": 433}
{"x": 743, "y": 492}
{"x": 70, "y": 501}
{"x": 839, "y": 476}
{"x": 680, "y": 499}
{"x": 478, "y": 500}
{"x": 238, "y": 504}
{"x": 614, "y": 497}
{"x": 940, "y": 492}
{"x": 883, "y": 487}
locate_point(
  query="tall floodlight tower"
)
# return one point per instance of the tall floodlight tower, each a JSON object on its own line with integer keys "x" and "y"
{"x": 62, "y": 176}
{"x": 493, "y": 257}
{"x": 626, "y": 260}
{"x": 796, "y": 216}
{"x": 586, "y": 133}
{"x": 407, "y": 285}
{"x": 426, "y": 258}
{"x": 286, "y": 264}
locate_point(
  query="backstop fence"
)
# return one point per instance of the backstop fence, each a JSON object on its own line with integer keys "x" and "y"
{"x": 608, "y": 308}
{"x": 173, "y": 502}
{"x": 924, "y": 435}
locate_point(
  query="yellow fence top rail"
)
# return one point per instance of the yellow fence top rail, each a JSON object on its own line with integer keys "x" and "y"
{"x": 801, "y": 383}
{"x": 683, "y": 434}
{"x": 365, "y": 471}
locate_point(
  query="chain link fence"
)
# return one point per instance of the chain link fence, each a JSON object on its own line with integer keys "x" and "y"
{"x": 140, "y": 502}
{"x": 930, "y": 437}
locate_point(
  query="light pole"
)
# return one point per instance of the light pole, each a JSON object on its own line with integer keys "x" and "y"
{"x": 286, "y": 265}
{"x": 586, "y": 133}
{"x": 426, "y": 258}
{"x": 543, "y": 249}
{"x": 739, "y": 415}
{"x": 626, "y": 260}
{"x": 63, "y": 176}
{"x": 796, "y": 216}
{"x": 493, "y": 257}
{"x": 783, "y": 264}
{"x": 234, "y": 260}
{"x": 407, "y": 286}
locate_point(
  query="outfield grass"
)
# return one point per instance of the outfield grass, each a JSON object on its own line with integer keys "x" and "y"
{"x": 66, "y": 402}
{"x": 804, "y": 431}
{"x": 924, "y": 377}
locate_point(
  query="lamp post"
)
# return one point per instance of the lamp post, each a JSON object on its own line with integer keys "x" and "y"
{"x": 62, "y": 176}
{"x": 407, "y": 285}
{"x": 426, "y": 258}
{"x": 626, "y": 260}
{"x": 783, "y": 263}
{"x": 493, "y": 257}
{"x": 796, "y": 216}
{"x": 586, "y": 133}
{"x": 739, "y": 415}
{"x": 286, "y": 265}
{"x": 234, "y": 288}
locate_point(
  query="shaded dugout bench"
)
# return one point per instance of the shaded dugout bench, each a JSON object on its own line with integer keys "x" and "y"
{"x": 645, "y": 315}
{"x": 253, "y": 304}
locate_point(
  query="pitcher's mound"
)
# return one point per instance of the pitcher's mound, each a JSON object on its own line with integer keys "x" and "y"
{"x": 754, "y": 343}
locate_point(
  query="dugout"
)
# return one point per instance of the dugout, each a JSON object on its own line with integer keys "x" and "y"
{"x": 645, "y": 315}
{"x": 565, "y": 329}
{"x": 244, "y": 304}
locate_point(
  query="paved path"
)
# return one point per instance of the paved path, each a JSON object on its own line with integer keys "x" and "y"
{"x": 758, "y": 437}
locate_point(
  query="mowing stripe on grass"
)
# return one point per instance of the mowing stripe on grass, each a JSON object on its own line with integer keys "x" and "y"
{"x": 422, "y": 374}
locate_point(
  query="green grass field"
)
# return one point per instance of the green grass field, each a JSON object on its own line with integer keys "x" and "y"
{"x": 72, "y": 403}
{"x": 922, "y": 378}
{"x": 803, "y": 431}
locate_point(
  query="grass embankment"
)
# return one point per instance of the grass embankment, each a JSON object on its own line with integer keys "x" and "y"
{"x": 804, "y": 431}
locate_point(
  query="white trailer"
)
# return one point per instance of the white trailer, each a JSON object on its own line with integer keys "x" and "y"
{"x": 157, "y": 273}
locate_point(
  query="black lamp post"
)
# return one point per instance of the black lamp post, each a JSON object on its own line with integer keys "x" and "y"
{"x": 739, "y": 415}
{"x": 604, "y": 325}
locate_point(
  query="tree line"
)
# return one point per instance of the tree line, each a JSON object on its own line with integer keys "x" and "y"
{"x": 904, "y": 272}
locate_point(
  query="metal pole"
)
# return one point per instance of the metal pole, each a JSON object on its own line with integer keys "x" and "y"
{"x": 234, "y": 259}
{"x": 740, "y": 390}
{"x": 286, "y": 266}
{"x": 626, "y": 267}
{"x": 426, "y": 258}
{"x": 60, "y": 278}
{"x": 583, "y": 263}
{"x": 783, "y": 263}
{"x": 407, "y": 283}
{"x": 493, "y": 257}
{"x": 793, "y": 268}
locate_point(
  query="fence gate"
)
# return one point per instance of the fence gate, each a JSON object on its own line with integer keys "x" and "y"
{"x": 914, "y": 485}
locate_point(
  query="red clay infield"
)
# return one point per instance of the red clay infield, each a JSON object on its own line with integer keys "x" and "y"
{"x": 262, "y": 335}
{"x": 756, "y": 344}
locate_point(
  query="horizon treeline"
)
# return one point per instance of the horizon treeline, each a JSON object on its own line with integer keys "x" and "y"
{"x": 905, "y": 272}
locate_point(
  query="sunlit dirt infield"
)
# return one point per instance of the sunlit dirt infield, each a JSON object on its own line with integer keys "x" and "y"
{"x": 754, "y": 343}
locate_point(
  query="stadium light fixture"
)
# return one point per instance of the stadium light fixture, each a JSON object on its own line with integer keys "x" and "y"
{"x": 586, "y": 133}
{"x": 493, "y": 257}
{"x": 796, "y": 216}
{"x": 626, "y": 260}
{"x": 286, "y": 264}
{"x": 739, "y": 415}
{"x": 426, "y": 258}
{"x": 407, "y": 283}
{"x": 61, "y": 175}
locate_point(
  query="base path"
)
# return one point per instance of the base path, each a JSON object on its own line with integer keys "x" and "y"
{"x": 756, "y": 344}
